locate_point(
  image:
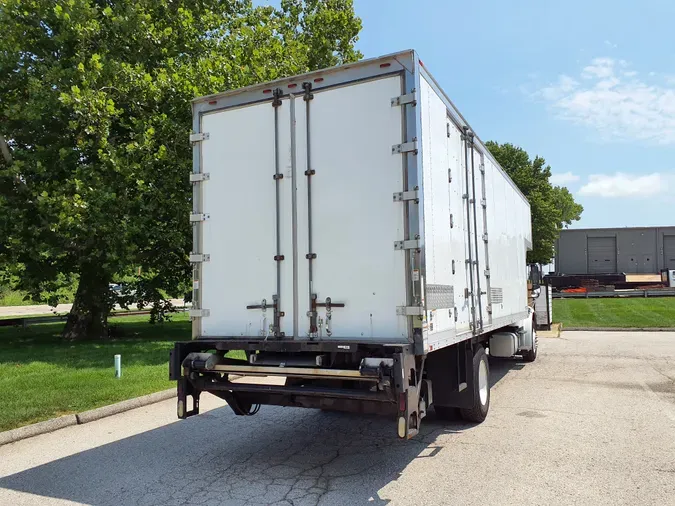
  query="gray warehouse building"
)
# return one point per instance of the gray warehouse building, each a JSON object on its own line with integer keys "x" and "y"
{"x": 615, "y": 250}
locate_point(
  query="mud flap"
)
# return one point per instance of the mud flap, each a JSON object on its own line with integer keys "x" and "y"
{"x": 450, "y": 370}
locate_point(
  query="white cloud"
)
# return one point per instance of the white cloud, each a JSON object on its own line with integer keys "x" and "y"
{"x": 624, "y": 185}
{"x": 610, "y": 44}
{"x": 563, "y": 179}
{"x": 600, "y": 67}
{"x": 558, "y": 91}
{"x": 614, "y": 100}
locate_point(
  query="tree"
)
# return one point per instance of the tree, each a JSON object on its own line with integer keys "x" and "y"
{"x": 569, "y": 209}
{"x": 95, "y": 110}
{"x": 552, "y": 207}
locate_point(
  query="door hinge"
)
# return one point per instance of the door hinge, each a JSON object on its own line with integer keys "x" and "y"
{"x": 483, "y": 202}
{"x": 199, "y": 217}
{"x": 404, "y": 99}
{"x": 196, "y": 258}
{"x": 406, "y": 147}
{"x": 485, "y": 237}
{"x": 199, "y": 136}
{"x": 409, "y": 195}
{"x": 199, "y": 176}
{"x": 410, "y": 311}
{"x": 199, "y": 313}
{"x": 409, "y": 244}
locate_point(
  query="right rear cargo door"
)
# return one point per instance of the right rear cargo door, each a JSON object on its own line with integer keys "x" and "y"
{"x": 350, "y": 277}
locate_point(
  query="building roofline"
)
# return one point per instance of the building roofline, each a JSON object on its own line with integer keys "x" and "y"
{"x": 607, "y": 229}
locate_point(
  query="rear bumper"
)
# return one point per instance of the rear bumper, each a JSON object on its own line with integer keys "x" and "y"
{"x": 182, "y": 349}
{"x": 355, "y": 377}
{"x": 200, "y": 366}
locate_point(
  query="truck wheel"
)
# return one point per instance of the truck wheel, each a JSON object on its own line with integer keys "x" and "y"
{"x": 531, "y": 355}
{"x": 481, "y": 389}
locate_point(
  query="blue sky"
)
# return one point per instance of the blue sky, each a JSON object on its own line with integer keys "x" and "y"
{"x": 589, "y": 85}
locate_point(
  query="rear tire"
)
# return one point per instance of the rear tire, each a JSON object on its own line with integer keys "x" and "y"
{"x": 481, "y": 389}
{"x": 531, "y": 355}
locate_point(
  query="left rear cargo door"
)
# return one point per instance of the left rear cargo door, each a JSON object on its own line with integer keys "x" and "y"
{"x": 248, "y": 276}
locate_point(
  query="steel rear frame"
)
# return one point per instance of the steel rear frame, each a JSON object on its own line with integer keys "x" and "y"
{"x": 403, "y": 391}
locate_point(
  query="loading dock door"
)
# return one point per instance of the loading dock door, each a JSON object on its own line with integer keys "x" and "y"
{"x": 601, "y": 255}
{"x": 669, "y": 251}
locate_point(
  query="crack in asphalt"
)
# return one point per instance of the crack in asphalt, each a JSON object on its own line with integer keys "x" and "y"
{"x": 287, "y": 460}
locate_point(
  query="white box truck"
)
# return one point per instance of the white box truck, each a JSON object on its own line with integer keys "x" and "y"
{"x": 354, "y": 236}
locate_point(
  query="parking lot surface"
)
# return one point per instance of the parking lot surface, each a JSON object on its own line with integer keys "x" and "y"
{"x": 592, "y": 421}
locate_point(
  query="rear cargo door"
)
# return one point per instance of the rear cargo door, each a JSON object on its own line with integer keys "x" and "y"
{"x": 299, "y": 221}
{"x": 239, "y": 231}
{"x": 350, "y": 277}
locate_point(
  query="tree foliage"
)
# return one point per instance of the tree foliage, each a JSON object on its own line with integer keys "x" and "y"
{"x": 552, "y": 207}
{"x": 95, "y": 110}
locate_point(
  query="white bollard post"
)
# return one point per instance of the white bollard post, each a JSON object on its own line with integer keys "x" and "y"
{"x": 118, "y": 366}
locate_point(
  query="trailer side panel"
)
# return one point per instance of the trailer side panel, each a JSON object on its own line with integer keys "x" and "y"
{"x": 477, "y": 231}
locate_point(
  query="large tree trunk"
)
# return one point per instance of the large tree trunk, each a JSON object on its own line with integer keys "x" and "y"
{"x": 88, "y": 318}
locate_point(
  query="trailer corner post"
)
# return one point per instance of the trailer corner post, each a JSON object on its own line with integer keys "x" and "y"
{"x": 414, "y": 209}
{"x": 198, "y": 216}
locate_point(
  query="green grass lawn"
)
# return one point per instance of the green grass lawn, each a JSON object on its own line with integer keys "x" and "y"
{"x": 18, "y": 298}
{"x": 615, "y": 312}
{"x": 42, "y": 376}
{"x": 14, "y": 298}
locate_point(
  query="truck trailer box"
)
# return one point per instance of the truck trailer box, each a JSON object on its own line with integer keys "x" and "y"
{"x": 354, "y": 235}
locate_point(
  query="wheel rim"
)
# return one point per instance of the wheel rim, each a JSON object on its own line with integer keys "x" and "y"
{"x": 534, "y": 341}
{"x": 483, "y": 382}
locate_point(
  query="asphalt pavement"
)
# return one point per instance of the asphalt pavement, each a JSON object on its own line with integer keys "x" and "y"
{"x": 592, "y": 421}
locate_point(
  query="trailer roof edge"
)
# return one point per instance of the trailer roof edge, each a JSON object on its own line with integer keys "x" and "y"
{"x": 307, "y": 75}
